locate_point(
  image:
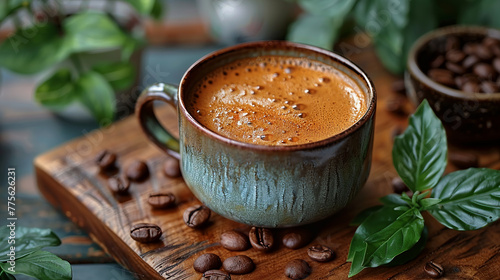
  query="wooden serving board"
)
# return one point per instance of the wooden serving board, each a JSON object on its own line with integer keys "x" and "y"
{"x": 69, "y": 179}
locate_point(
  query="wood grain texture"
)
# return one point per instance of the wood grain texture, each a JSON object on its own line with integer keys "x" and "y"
{"x": 69, "y": 179}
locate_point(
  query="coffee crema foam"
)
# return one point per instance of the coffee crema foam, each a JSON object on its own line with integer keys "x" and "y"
{"x": 277, "y": 100}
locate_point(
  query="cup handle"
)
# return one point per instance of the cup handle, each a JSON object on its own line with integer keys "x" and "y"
{"x": 148, "y": 121}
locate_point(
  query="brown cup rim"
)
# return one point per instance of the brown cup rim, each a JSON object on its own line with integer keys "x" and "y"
{"x": 457, "y": 30}
{"x": 279, "y": 44}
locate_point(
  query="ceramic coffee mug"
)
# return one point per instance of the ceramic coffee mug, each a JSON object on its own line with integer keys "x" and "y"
{"x": 268, "y": 186}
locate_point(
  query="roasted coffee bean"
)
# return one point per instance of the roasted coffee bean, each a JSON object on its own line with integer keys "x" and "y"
{"x": 171, "y": 168}
{"x": 119, "y": 185}
{"x": 496, "y": 64}
{"x": 470, "y": 61}
{"x": 137, "y": 171}
{"x": 234, "y": 240}
{"x": 145, "y": 233}
{"x": 207, "y": 262}
{"x": 297, "y": 238}
{"x": 483, "y": 52}
{"x": 238, "y": 265}
{"x": 459, "y": 81}
{"x": 396, "y": 106}
{"x": 463, "y": 160}
{"x": 495, "y": 50}
{"x": 441, "y": 76}
{"x": 161, "y": 200}
{"x": 261, "y": 239}
{"x": 490, "y": 42}
{"x": 398, "y": 186}
{"x": 455, "y": 68}
{"x": 471, "y": 87}
{"x": 297, "y": 269}
{"x": 488, "y": 87}
{"x": 438, "y": 61}
{"x": 455, "y": 56}
{"x": 106, "y": 160}
{"x": 216, "y": 275}
{"x": 196, "y": 216}
{"x": 484, "y": 70}
{"x": 434, "y": 270}
{"x": 321, "y": 253}
{"x": 398, "y": 86}
{"x": 452, "y": 43}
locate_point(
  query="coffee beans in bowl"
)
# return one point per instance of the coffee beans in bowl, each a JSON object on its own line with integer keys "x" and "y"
{"x": 456, "y": 69}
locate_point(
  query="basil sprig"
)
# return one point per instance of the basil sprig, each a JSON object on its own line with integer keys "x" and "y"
{"x": 29, "y": 258}
{"x": 463, "y": 200}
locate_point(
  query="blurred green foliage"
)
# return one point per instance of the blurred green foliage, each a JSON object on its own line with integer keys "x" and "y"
{"x": 394, "y": 25}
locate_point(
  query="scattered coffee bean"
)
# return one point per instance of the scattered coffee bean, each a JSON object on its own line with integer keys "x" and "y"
{"x": 434, "y": 270}
{"x": 196, "y": 216}
{"x": 171, "y": 168}
{"x": 396, "y": 106}
{"x": 488, "y": 87}
{"x": 207, "y": 262}
{"x": 161, "y": 200}
{"x": 234, "y": 240}
{"x": 297, "y": 269}
{"x": 484, "y": 70}
{"x": 442, "y": 76}
{"x": 145, "y": 233}
{"x": 137, "y": 171}
{"x": 106, "y": 160}
{"x": 398, "y": 86}
{"x": 238, "y": 265}
{"x": 398, "y": 186}
{"x": 463, "y": 160}
{"x": 321, "y": 253}
{"x": 216, "y": 275}
{"x": 261, "y": 238}
{"x": 455, "y": 56}
{"x": 119, "y": 185}
{"x": 297, "y": 238}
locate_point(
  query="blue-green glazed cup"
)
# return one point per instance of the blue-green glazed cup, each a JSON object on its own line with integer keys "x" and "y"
{"x": 266, "y": 186}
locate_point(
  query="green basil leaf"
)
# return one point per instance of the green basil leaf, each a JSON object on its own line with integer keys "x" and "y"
{"x": 58, "y": 90}
{"x": 42, "y": 265}
{"x": 27, "y": 240}
{"x": 120, "y": 75}
{"x": 157, "y": 10}
{"x": 470, "y": 199}
{"x": 428, "y": 202}
{"x": 363, "y": 215}
{"x": 484, "y": 12}
{"x": 330, "y": 8}
{"x": 383, "y": 236}
{"x": 142, "y": 6}
{"x": 317, "y": 30}
{"x": 93, "y": 31}
{"x": 6, "y": 276}
{"x": 413, "y": 252}
{"x": 34, "y": 49}
{"x": 357, "y": 259}
{"x": 419, "y": 154}
{"x": 9, "y": 7}
{"x": 98, "y": 96}
{"x": 393, "y": 200}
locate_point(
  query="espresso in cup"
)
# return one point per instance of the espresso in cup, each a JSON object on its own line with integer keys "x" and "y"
{"x": 277, "y": 100}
